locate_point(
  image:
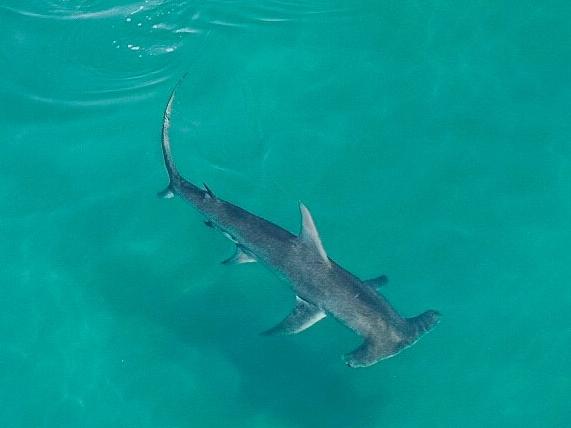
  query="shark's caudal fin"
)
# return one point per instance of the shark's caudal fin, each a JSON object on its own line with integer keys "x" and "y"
{"x": 174, "y": 176}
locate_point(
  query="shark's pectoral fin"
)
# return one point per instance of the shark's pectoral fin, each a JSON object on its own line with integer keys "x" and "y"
{"x": 377, "y": 282}
{"x": 239, "y": 257}
{"x": 302, "y": 317}
{"x": 309, "y": 233}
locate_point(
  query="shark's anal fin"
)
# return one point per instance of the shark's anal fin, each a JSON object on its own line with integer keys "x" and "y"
{"x": 309, "y": 233}
{"x": 209, "y": 223}
{"x": 239, "y": 257}
{"x": 303, "y": 316}
{"x": 377, "y": 282}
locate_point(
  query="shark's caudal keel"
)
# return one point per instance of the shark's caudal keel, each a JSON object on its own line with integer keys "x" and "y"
{"x": 322, "y": 287}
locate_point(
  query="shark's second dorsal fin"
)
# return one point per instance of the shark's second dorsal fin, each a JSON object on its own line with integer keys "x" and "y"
{"x": 309, "y": 233}
{"x": 377, "y": 282}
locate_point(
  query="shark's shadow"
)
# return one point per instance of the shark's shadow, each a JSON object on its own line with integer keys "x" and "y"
{"x": 279, "y": 377}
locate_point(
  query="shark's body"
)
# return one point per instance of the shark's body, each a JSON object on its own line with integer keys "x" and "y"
{"x": 322, "y": 287}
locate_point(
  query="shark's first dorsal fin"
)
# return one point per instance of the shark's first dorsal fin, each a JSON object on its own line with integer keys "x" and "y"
{"x": 309, "y": 233}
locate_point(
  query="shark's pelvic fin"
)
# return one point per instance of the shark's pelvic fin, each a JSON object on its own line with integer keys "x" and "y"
{"x": 167, "y": 193}
{"x": 303, "y": 316}
{"x": 239, "y": 257}
{"x": 309, "y": 232}
{"x": 377, "y": 282}
{"x": 209, "y": 192}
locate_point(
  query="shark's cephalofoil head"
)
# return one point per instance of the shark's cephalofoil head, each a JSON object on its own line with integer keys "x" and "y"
{"x": 377, "y": 348}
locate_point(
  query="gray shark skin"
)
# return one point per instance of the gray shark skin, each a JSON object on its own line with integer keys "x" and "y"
{"x": 322, "y": 287}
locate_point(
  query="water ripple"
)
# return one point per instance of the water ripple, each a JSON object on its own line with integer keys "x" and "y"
{"x": 112, "y": 54}
{"x": 120, "y": 53}
{"x": 65, "y": 14}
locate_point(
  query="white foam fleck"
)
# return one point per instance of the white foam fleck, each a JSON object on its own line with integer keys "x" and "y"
{"x": 187, "y": 30}
{"x": 162, "y": 27}
{"x": 273, "y": 19}
{"x": 225, "y": 23}
{"x": 140, "y": 8}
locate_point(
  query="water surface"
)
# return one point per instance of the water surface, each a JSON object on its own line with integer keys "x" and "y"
{"x": 431, "y": 141}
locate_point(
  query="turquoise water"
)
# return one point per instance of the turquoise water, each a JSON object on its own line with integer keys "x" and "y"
{"x": 431, "y": 141}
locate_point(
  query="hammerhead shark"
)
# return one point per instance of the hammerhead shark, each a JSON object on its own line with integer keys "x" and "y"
{"x": 321, "y": 286}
